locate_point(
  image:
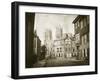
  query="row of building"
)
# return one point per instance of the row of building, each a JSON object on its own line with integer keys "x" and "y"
{"x": 38, "y": 49}
{"x": 81, "y": 26}
{"x": 65, "y": 45}
{"x": 61, "y": 46}
{"x": 68, "y": 45}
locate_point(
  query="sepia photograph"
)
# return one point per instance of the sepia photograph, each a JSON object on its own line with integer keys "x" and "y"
{"x": 52, "y": 40}
{"x": 55, "y": 40}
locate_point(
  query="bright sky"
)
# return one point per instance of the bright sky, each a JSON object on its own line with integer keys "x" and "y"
{"x": 51, "y": 21}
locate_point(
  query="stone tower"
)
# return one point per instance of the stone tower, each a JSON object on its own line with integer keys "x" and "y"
{"x": 59, "y": 33}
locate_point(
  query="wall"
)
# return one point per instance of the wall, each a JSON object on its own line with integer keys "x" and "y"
{"x": 5, "y": 40}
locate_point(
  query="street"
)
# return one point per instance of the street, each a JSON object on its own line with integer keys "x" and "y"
{"x": 53, "y": 62}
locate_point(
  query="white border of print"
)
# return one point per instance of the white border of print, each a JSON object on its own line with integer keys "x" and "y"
{"x": 53, "y": 70}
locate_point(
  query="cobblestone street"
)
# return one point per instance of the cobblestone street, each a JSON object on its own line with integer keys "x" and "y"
{"x": 59, "y": 62}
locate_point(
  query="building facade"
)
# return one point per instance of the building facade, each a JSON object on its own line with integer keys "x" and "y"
{"x": 81, "y": 26}
{"x": 37, "y": 46}
{"x": 74, "y": 51}
{"x": 48, "y": 42}
{"x": 62, "y": 44}
{"x": 68, "y": 47}
{"x": 59, "y": 43}
{"x": 29, "y": 27}
{"x": 59, "y": 48}
{"x": 59, "y": 33}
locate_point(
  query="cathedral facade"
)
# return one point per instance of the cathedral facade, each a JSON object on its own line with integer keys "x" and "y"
{"x": 61, "y": 46}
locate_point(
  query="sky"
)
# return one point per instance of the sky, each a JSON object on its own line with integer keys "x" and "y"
{"x": 51, "y": 21}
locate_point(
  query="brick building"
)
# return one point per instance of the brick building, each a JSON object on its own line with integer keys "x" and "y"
{"x": 81, "y": 27}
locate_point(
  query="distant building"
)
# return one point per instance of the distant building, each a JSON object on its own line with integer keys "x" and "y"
{"x": 62, "y": 44}
{"x": 48, "y": 34}
{"x": 81, "y": 26}
{"x": 59, "y": 33}
{"x": 48, "y": 42}
{"x": 59, "y": 43}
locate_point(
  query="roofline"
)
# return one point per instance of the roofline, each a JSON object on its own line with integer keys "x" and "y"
{"x": 77, "y": 18}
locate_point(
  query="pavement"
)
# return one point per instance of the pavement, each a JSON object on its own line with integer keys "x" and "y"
{"x": 40, "y": 63}
{"x": 64, "y": 62}
{"x": 59, "y": 62}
